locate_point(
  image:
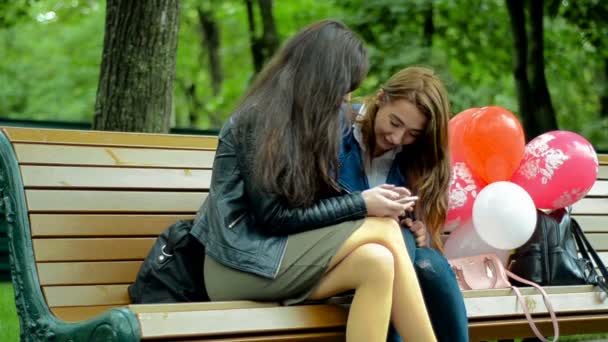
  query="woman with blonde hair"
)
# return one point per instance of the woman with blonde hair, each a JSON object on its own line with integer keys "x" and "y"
{"x": 275, "y": 226}
{"x": 400, "y": 138}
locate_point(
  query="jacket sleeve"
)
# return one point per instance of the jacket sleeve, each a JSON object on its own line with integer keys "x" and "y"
{"x": 273, "y": 215}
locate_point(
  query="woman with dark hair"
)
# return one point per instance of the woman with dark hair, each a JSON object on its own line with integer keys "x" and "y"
{"x": 400, "y": 137}
{"x": 275, "y": 224}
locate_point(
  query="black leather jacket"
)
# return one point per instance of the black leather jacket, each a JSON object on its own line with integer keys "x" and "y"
{"x": 246, "y": 228}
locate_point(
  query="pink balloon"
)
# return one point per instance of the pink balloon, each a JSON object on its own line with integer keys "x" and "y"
{"x": 558, "y": 169}
{"x": 464, "y": 187}
{"x": 465, "y": 241}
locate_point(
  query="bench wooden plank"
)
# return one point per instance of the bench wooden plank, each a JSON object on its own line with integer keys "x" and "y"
{"x": 599, "y": 189}
{"x": 80, "y": 313}
{"x": 562, "y": 303}
{"x": 54, "y": 136}
{"x": 602, "y": 172}
{"x": 112, "y": 156}
{"x": 104, "y": 177}
{"x": 325, "y": 336}
{"x": 591, "y": 206}
{"x": 81, "y": 273}
{"x": 113, "y": 201}
{"x": 516, "y": 328}
{"x": 241, "y": 321}
{"x": 593, "y": 223}
{"x": 57, "y": 225}
{"x": 101, "y": 249}
{"x": 598, "y": 240}
{"x": 85, "y": 295}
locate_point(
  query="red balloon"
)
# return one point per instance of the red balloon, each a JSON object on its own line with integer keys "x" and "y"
{"x": 456, "y": 128}
{"x": 493, "y": 143}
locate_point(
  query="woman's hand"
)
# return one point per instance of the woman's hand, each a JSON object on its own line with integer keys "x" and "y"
{"x": 387, "y": 201}
{"x": 418, "y": 229}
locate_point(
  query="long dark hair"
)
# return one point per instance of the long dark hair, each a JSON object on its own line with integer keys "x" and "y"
{"x": 291, "y": 111}
{"x": 426, "y": 164}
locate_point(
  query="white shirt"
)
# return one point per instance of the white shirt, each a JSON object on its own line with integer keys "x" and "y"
{"x": 378, "y": 168}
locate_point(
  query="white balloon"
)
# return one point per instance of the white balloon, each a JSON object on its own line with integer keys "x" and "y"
{"x": 465, "y": 241}
{"x": 504, "y": 215}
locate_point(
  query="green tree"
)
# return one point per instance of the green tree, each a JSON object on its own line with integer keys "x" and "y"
{"x": 535, "y": 104}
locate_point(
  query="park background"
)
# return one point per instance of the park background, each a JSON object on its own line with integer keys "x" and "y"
{"x": 546, "y": 61}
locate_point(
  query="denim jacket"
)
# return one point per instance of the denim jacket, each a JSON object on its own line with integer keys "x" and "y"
{"x": 352, "y": 174}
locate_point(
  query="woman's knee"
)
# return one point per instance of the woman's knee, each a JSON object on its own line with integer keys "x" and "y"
{"x": 385, "y": 229}
{"x": 432, "y": 266}
{"x": 374, "y": 262}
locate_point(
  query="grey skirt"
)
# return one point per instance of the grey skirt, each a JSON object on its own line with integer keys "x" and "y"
{"x": 306, "y": 260}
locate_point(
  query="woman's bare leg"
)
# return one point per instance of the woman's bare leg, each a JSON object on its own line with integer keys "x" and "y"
{"x": 408, "y": 311}
{"x": 369, "y": 269}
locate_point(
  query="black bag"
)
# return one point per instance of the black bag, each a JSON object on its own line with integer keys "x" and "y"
{"x": 173, "y": 270}
{"x": 550, "y": 257}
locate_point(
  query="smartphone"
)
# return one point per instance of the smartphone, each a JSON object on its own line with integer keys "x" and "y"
{"x": 410, "y": 198}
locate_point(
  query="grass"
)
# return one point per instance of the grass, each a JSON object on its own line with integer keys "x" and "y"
{"x": 9, "y": 323}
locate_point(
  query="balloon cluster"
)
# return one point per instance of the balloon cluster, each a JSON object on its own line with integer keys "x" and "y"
{"x": 498, "y": 181}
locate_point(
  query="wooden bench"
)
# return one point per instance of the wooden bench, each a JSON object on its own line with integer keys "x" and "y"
{"x": 83, "y": 208}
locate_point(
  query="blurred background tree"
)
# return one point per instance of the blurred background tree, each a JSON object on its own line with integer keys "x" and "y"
{"x": 51, "y": 52}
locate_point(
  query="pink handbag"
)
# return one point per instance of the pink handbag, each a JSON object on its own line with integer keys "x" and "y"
{"x": 485, "y": 271}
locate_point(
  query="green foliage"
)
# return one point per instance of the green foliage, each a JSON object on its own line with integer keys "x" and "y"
{"x": 49, "y": 62}
{"x": 9, "y": 323}
{"x": 50, "y": 53}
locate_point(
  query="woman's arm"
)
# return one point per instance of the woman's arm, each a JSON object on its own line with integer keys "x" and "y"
{"x": 272, "y": 213}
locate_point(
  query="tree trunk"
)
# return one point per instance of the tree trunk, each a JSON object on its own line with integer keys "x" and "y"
{"x": 520, "y": 54}
{"x": 544, "y": 114}
{"x": 135, "y": 88}
{"x": 604, "y": 93}
{"x": 270, "y": 38}
{"x": 257, "y": 53}
{"x": 211, "y": 40}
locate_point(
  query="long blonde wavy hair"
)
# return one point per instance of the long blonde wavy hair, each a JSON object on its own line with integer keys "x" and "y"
{"x": 427, "y": 160}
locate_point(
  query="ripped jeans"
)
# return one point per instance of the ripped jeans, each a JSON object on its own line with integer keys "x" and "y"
{"x": 442, "y": 295}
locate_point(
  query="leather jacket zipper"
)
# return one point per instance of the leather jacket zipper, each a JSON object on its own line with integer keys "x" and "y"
{"x": 237, "y": 220}
{"x": 276, "y": 272}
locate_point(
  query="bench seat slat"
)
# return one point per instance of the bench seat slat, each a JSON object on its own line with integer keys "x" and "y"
{"x": 54, "y": 136}
{"x": 79, "y": 273}
{"x": 517, "y": 328}
{"x": 241, "y": 321}
{"x": 113, "y": 201}
{"x": 112, "y": 156}
{"x": 86, "y": 295}
{"x": 49, "y": 225}
{"x": 509, "y": 305}
{"x": 80, "y": 313}
{"x": 324, "y": 336}
{"x": 100, "y": 249}
{"x": 103, "y": 177}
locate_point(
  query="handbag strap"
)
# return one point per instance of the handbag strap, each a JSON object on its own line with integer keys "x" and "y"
{"x": 524, "y": 306}
{"x": 585, "y": 248}
{"x": 463, "y": 282}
